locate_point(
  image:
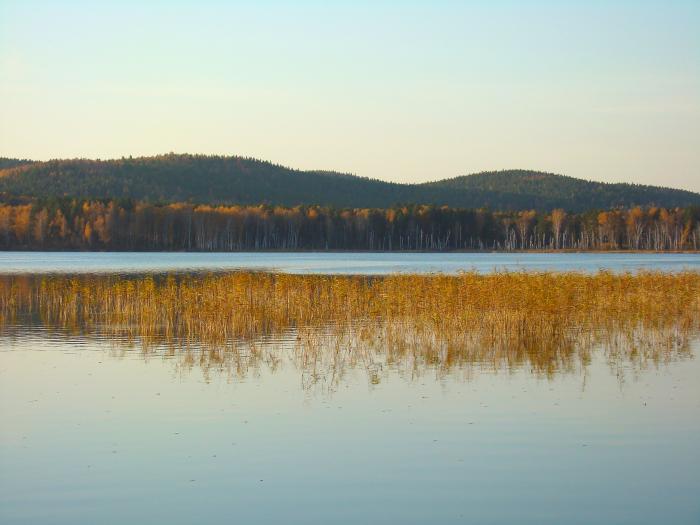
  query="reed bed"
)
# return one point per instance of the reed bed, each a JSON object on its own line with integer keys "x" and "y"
{"x": 546, "y": 321}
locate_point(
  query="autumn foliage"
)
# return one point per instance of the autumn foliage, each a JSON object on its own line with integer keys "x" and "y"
{"x": 125, "y": 225}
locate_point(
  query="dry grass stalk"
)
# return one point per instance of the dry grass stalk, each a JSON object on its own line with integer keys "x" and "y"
{"x": 547, "y": 321}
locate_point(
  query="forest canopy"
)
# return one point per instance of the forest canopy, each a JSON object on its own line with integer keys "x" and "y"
{"x": 221, "y": 180}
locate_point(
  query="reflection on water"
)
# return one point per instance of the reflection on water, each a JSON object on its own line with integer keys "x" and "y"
{"x": 434, "y": 399}
{"x": 85, "y": 439}
{"x": 324, "y": 325}
{"x": 323, "y": 358}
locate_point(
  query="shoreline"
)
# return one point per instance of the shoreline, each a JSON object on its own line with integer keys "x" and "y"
{"x": 514, "y": 252}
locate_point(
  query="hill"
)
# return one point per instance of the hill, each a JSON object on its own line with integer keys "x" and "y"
{"x": 12, "y": 163}
{"x": 239, "y": 180}
{"x": 193, "y": 178}
{"x": 520, "y": 189}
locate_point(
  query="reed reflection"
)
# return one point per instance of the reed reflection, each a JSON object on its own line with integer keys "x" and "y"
{"x": 234, "y": 323}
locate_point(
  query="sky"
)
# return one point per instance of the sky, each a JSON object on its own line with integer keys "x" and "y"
{"x": 404, "y": 91}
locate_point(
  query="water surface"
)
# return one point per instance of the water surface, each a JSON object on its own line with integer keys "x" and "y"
{"x": 94, "y": 433}
{"x": 339, "y": 263}
{"x": 111, "y": 416}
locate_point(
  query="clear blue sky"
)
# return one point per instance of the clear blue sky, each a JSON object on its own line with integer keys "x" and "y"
{"x": 406, "y": 91}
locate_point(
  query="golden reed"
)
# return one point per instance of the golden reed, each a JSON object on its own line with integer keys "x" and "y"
{"x": 540, "y": 320}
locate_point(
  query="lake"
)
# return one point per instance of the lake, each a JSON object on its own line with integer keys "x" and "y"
{"x": 339, "y": 262}
{"x": 93, "y": 434}
{"x": 128, "y": 399}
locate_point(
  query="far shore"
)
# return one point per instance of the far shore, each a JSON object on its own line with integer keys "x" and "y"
{"x": 563, "y": 250}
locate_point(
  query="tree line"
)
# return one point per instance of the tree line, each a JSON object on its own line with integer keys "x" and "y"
{"x": 75, "y": 224}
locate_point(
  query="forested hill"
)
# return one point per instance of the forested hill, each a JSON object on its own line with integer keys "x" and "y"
{"x": 239, "y": 180}
{"x": 194, "y": 178}
{"x": 12, "y": 163}
{"x": 519, "y": 189}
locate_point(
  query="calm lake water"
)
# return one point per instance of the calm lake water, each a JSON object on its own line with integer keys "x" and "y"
{"x": 99, "y": 426}
{"x": 96, "y": 433}
{"x": 339, "y": 263}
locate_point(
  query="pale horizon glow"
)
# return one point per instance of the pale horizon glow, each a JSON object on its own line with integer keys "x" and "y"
{"x": 402, "y": 91}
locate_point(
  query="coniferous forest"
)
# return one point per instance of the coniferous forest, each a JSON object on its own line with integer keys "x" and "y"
{"x": 215, "y": 180}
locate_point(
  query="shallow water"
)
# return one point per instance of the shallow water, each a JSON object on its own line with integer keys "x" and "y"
{"x": 111, "y": 420}
{"x": 95, "y": 432}
{"x": 339, "y": 263}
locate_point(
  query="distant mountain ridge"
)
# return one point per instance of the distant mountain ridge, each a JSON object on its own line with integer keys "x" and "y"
{"x": 240, "y": 180}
